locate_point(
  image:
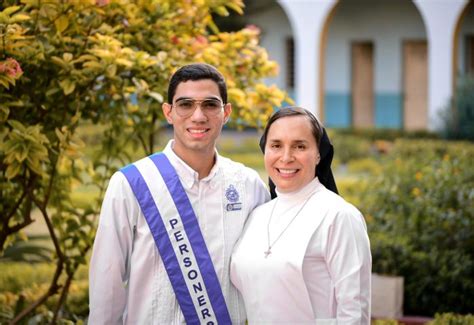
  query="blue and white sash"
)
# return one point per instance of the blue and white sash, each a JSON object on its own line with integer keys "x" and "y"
{"x": 179, "y": 240}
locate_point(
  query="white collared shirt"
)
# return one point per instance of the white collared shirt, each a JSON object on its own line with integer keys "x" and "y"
{"x": 128, "y": 282}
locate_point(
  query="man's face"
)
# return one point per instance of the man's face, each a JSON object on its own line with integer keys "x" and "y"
{"x": 198, "y": 132}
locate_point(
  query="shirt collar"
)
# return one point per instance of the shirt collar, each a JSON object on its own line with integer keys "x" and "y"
{"x": 187, "y": 175}
{"x": 302, "y": 193}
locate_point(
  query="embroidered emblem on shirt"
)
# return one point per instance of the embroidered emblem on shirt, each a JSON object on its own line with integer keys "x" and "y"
{"x": 232, "y": 197}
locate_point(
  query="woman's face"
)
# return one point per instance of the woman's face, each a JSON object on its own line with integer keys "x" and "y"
{"x": 291, "y": 153}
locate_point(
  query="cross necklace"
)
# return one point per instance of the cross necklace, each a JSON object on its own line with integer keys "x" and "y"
{"x": 269, "y": 249}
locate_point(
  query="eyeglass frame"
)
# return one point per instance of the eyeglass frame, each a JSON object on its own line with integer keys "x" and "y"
{"x": 196, "y": 103}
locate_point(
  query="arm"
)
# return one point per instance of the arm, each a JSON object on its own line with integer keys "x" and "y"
{"x": 350, "y": 266}
{"x": 108, "y": 271}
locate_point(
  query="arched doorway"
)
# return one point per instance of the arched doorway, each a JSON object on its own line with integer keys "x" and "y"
{"x": 371, "y": 47}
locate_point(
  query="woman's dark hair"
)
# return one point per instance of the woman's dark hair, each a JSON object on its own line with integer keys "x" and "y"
{"x": 326, "y": 150}
{"x": 197, "y": 71}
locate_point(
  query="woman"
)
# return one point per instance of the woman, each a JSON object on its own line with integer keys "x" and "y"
{"x": 304, "y": 257}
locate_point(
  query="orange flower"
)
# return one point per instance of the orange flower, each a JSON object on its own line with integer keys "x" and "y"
{"x": 418, "y": 176}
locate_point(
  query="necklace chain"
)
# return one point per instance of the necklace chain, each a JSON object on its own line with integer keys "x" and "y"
{"x": 269, "y": 249}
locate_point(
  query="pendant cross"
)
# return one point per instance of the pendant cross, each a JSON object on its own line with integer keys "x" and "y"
{"x": 267, "y": 252}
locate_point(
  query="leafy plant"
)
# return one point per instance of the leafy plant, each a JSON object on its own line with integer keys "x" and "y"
{"x": 452, "y": 319}
{"x": 458, "y": 116}
{"x": 421, "y": 213}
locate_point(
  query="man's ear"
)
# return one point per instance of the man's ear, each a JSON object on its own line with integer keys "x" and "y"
{"x": 167, "y": 112}
{"x": 227, "y": 112}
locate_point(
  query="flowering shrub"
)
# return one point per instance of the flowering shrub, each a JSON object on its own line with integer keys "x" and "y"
{"x": 421, "y": 224}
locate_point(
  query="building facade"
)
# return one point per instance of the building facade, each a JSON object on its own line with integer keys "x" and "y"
{"x": 369, "y": 63}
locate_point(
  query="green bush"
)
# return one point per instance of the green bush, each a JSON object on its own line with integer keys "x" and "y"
{"x": 420, "y": 215}
{"x": 348, "y": 147}
{"x": 452, "y": 319}
{"x": 458, "y": 117}
{"x": 384, "y": 134}
{"x": 23, "y": 283}
{"x": 385, "y": 322}
{"x": 350, "y": 188}
{"x": 17, "y": 276}
{"x": 367, "y": 165}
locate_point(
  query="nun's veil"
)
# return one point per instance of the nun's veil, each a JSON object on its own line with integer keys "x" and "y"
{"x": 326, "y": 150}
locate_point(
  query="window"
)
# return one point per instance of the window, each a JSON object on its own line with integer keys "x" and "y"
{"x": 290, "y": 63}
{"x": 470, "y": 55}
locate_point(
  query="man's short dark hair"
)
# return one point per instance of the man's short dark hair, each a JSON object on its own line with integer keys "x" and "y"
{"x": 197, "y": 71}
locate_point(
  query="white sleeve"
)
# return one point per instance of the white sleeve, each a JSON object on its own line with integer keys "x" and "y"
{"x": 259, "y": 191}
{"x": 108, "y": 274}
{"x": 350, "y": 266}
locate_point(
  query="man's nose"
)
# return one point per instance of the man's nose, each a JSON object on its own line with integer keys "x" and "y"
{"x": 198, "y": 114}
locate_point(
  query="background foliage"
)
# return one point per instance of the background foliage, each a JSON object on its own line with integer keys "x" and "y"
{"x": 458, "y": 116}
{"x": 420, "y": 215}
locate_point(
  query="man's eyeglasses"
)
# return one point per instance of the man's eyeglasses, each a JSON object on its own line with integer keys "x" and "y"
{"x": 210, "y": 107}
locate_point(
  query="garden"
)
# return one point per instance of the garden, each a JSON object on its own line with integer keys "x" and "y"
{"x": 81, "y": 88}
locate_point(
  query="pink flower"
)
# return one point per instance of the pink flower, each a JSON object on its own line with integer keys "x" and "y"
{"x": 253, "y": 28}
{"x": 102, "y": 3}
{"x": 201, "y": 39}
{"x": 11, "y": 68}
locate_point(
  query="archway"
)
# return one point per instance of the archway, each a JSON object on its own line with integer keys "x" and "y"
{"x": 368, "y": 46}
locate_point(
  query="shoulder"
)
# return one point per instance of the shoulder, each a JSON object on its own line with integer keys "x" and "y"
{"x": 336, "y": 204}
{"x": 122, "y": 178}
{"x": 262, "y": 209}
{"x": 231, "y": 166}
{"x": 118, "y": 185}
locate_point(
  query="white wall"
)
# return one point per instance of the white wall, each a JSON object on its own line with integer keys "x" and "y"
{"x": 275, "y": 30}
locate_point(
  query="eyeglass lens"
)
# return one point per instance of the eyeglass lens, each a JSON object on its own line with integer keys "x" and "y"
{"x": 186, "y": 107}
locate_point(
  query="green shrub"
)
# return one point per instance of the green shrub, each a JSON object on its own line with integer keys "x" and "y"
{"x": 23, "y": 283}
{"x": 421, "y": 222}
{"x": 384, "y": 134}
{"x": 348, "y": 147}
{"x": 452, "y": 319}
{"x": 366, "y": 165}
{"x": 385, "y": 322}
{"x": 350, "y": 188}
{"x": 17, "y": 276}
{"x": 458, "y": 117}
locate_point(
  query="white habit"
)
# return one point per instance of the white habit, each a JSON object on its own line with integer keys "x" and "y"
{"x": 318, "y": 271}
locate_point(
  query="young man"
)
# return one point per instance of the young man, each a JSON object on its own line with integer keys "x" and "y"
{"x": 169, "y": 221}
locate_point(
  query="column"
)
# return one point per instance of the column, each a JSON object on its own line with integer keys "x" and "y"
{"x": 307, "y": 18}
{"x": 440, "y": 18}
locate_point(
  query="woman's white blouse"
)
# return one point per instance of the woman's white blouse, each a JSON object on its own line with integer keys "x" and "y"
{"x": 319, "y": 270}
